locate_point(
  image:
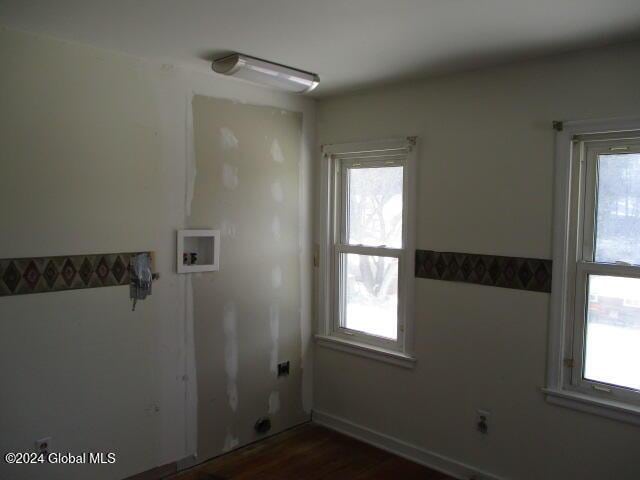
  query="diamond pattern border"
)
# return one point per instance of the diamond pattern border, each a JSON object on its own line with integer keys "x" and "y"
{"x": 531, "y": 274}
{"x": 19, "y": 276}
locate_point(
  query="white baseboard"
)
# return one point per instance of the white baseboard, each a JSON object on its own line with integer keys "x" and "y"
{"x": 403, "y": 449}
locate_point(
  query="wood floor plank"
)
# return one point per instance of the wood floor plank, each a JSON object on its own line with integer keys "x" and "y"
{"x": 309, "y": 452}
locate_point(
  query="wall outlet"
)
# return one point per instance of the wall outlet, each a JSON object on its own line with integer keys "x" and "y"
{"x": 283, "y": 369}
{"x": 482, "y": 421}
{"x": 43, "y": 446}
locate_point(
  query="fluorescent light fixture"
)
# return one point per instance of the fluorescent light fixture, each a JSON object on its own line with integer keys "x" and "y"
{"x": 266, "y": 73}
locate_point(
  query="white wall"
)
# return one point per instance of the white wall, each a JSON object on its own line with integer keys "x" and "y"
{"x": 484, "y": 186}
{"x": 93, "y": 154}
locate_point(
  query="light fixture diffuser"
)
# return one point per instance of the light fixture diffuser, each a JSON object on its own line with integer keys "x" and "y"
{"x": 266, "y": 73}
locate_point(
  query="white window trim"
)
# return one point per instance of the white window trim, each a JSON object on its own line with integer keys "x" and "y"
{"x": 561, "y": 388}
{"x": 400, "y": 354}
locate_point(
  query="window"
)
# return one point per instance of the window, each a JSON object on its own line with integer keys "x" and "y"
{"x": 369, "y": 252}
{"x": 595, "y": 343}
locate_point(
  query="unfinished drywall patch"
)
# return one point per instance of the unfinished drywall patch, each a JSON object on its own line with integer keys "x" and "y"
{"x": 228, "y": 139}
{"x": 190, "y": 375}
{"x": 228, "y": 229}
{"x": 274, "y": 323}
{"x": 190, "y": 156}
{"x": 247, "y": 315}
{"x": 231, "y": 354}
{"x": 276, "y": 151}
{"x": 275, "y": 227}
{"x": 230, "y": 442}
{"x": 230, "y": 176}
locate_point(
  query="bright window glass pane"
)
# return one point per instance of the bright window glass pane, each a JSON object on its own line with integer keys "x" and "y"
{"x": 371, "y": 294}
{"x": 375, "y": 206}
{"x": 618, "y": 210}
{"x": 612, "y": 352}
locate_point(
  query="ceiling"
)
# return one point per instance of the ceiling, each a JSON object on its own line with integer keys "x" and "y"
{"x": 350, "y": 43}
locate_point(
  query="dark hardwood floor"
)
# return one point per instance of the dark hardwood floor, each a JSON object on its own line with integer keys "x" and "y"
{"x": 309, "y": 452}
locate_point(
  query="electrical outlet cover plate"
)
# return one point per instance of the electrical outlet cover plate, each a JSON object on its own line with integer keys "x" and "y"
{"x": 483, "y": 420}
{"x": 483, "y": 413}
{"x": 283, "y": 369}
{"x": 43, "y": 445}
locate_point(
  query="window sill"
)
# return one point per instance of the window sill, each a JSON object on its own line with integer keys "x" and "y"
{"x": 585, "y": 403}
{"x": 368, "y": 351}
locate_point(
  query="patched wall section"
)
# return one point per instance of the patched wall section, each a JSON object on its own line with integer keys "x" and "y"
{"x": 247, "y": 315}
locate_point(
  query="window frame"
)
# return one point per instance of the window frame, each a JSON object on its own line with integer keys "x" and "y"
{"x": 578, "y": 146}
{"x": 342, "y": 246}
{"x": 590, "y": 151}
{"x": 338, "y": 159}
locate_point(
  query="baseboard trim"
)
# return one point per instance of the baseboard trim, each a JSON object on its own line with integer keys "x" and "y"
{"x": 401, "y": 448}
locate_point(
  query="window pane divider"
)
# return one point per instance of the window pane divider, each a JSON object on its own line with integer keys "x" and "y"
{"x": 610, "y": 269}
{"x": 377, "y": 162}
{"x": 364, "y": 250}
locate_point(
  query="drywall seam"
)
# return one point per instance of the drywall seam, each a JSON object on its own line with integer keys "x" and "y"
{"x": 228, "y": 139}
{"x": 230, "y": 176}
{"x": 305, "y": 226}
{"x": 190, "y": 374}
{"x": 274, "y": 324}
{"x": 230, "y": 442}
{"x": 189, "y": 155}
{"x": 189, "y": 378}
{"x": 276, "y": 228}
{"x": 276, "y": 151}
{"x": 231, "y": 354}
